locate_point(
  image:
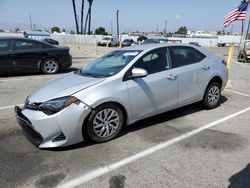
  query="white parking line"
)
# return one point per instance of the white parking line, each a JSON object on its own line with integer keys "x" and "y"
{"x": 7, "y": 107}
{"x": 236, "y": 92}
{"x": 106, "y": 169}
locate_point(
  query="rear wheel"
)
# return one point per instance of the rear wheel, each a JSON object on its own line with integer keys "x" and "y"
{"x": 212, "y": 96}
{"x": 50, "y": 66}
{"x": 105, "y": 123}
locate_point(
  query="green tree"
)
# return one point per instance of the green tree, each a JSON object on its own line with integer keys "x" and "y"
{"x": 55, "y": 29}
{"x": 219, "y": 33}
{"x": 182, "y": 30}
{"x": 100, "y": 31}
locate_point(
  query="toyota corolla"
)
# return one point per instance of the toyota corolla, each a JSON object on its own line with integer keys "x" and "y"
{"x": 119, "y": 89}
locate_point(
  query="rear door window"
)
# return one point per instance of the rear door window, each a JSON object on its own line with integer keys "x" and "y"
{"x": 184, "y": 55}
{"x": 26, "y": 45}
{"x": 5, "y": 45}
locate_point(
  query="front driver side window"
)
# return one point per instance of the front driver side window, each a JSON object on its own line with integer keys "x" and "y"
{"x": 154, "y": 61}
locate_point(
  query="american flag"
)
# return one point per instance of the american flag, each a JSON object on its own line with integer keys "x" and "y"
{"x": 239, "y": 13}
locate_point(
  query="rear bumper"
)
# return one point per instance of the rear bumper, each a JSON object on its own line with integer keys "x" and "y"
{"x": 66, "y": 62}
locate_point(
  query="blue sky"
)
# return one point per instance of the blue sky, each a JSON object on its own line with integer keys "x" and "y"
{"x": 142, "y": 15}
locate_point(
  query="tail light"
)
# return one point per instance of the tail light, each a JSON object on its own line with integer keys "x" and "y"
{"x": 224, "y": 62}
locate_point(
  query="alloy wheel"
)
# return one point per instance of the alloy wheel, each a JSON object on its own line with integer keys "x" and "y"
{"x": 106, "y": 122}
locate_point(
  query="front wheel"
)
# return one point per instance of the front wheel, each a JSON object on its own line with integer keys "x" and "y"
{"x": 105, "y": 123}
{"x": 212, "y": 96}
{"x": 50, "y": 66}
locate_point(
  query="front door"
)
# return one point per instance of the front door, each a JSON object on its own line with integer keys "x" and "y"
{"x": 156, "y": 92}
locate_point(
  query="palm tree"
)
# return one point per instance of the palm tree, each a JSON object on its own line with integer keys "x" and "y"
{"x": 90, "y": 12}
{"x": 88, "y": 17}
{"x": 74, "y": 7}
{"x": 82, "y": 14}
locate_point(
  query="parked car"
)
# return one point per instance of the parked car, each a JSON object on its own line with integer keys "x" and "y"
{"x": 152, "y": 39}
{"x": 119, "y": 89}
{"x": 50, "y": 41}
{"x": 244, "y": 53}
{"x": 127, "y": 42}
{"x": 111, "y": 41}
{"x": 28, "y": 55}
{"x": 195, "y": 43}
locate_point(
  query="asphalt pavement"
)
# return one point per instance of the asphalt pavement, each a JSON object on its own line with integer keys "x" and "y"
{"x": 188, "y": 147}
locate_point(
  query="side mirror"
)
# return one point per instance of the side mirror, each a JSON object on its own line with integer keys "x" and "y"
{"x": 138, "y": 73}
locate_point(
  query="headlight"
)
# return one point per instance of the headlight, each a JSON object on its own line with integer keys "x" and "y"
{"x": 56, "y": 105}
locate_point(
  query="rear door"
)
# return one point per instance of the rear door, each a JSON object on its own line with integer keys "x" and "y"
{"x": 6, "y": 61}
{"x": 192, "y": 71}
{"x": 27, "y": 54}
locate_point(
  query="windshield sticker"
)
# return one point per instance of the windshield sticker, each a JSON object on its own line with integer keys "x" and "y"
{"x": 131, "y": 54}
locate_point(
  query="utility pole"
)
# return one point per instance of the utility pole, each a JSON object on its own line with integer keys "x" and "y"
{"x": 117, "y": 19}
{"x": 111, "y": 29}
{"x": 166, "y": 26}
{"x": 30, "y": 22}
{"x": 157, "y": 28}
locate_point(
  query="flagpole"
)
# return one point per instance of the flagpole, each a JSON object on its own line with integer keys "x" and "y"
{"x": 247, "y": 29}
{"x": 243, "y": 28}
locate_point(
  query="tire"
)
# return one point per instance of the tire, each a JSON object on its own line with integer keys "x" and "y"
{"x": 212, "y": 96}
{"x": 50, "y": 66}
{"x": 102, "y": 128}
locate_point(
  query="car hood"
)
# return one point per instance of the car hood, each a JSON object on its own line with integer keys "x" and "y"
{"x": 63, "y": 86}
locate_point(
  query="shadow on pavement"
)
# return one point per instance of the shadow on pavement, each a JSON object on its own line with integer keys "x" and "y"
{"x": 167, "y": 116}
{"x": 241, "y": 179}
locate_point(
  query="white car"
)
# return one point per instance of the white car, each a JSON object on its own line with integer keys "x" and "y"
{"x": 111, "y": 41}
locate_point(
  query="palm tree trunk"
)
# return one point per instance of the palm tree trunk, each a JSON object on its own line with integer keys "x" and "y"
{"x": 82, "y": 13}
{"x": 74, "y": 8}
{"x": 88, "y": 18}
{"x": 86, "y": 21}
{"x": 90, "y": 11}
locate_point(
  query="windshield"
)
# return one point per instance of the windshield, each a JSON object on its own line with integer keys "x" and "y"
{"x": 109, "y": 64}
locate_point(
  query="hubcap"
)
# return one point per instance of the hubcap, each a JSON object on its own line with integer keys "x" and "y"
{"x": 50, "y": 66}
{"x": 213, "y": 95}
{"x": 106, "y": 122}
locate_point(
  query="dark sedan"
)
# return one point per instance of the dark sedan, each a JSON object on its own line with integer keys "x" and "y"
{"x": 28, "y": 55}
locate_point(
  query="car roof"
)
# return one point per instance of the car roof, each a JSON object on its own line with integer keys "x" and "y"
{"x": 16, "y": 38}
{"x": 154, "y": 46}
{"x": 149, "y": 47}
{"x": 22, "y": 38}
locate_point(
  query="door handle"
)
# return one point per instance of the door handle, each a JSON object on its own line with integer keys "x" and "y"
{"x": 206, "y": 67}
{"x": 172, "y": 77}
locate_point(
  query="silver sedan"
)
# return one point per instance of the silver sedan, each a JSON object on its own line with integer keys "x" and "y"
{"x": 119, "y": 89}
